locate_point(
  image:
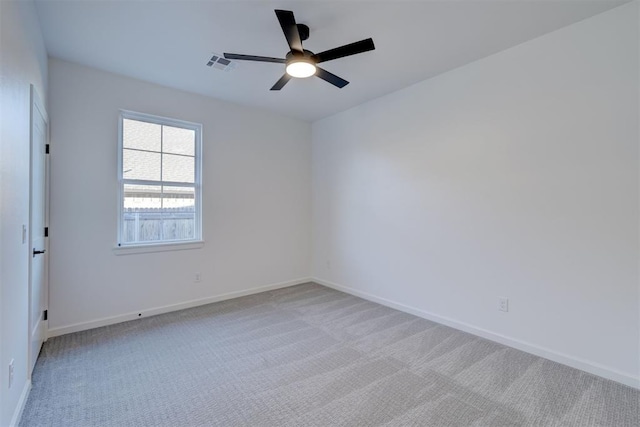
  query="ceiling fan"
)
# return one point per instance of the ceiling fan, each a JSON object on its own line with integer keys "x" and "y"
{"x": 301, "y": 63}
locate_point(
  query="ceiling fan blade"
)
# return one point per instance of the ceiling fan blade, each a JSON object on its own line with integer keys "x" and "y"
{"x": 331, "y": 78}
{"x": 346, "y": 50}
{"x": 253, "y": 58}
{"x": 280, "y": 83}
{"x": 290, "y": 29}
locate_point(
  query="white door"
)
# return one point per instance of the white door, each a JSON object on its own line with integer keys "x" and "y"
{"x": 37, "y": 222}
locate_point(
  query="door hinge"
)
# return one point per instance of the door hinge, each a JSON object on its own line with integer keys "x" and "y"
{"x": 46, "y": 232}
{"x": 46, "y": 149}
{"x": 45, "y": 315}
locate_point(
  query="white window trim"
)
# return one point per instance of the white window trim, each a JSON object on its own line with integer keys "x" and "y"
{"x": 166, "y": 245}
{"x": 158, "y": 247}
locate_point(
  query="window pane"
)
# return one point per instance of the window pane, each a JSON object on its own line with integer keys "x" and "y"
{"x": 142, "y": 216}
{"x": 180, "y": 213}
{"x": 141, "y": 135}
{"x": 154, "y": 213}
{"x": 178, "y": 140}
{"x": 178, "y": 168}
{"x": 141, "y": 165}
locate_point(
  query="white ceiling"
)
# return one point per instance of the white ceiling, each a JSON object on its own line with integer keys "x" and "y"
{"x": 169, "y": 42}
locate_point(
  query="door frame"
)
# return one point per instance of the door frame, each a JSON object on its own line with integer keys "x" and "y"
{"x": 37, "y": 107}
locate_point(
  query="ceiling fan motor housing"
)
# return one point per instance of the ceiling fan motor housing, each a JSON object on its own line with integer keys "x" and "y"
{"x": 306, "y": 55}
{"x": 303, "y": 30}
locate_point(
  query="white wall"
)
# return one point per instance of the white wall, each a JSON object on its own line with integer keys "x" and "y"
{"x": 515, "y": 176}
{"x": 23, "y": 62}
{"x": 256, "y": 201}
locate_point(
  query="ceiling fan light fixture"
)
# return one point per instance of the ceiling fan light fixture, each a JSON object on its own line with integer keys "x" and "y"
{"x": 301, "y": 69}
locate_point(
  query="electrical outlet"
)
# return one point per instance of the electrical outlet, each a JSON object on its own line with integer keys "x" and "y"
{"x": 503, "y": 304}
{"x": 11, "y": 373}
{"x": 197, "y": 277}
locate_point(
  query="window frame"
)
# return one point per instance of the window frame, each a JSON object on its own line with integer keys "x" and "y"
{"x": 160, "y": 245}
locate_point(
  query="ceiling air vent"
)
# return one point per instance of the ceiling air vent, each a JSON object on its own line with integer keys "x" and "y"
{"x": 218, "y": 62}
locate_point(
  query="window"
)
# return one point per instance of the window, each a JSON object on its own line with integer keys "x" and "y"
{"x": 159, "y": 179}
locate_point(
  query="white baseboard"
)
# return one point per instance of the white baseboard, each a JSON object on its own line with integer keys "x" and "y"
{"x": 574, "y": 362}
{"x": 105, "y": 321}
{"x": 17, "y": 414}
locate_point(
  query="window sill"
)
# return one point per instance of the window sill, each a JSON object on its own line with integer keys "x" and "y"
{"x": 158, "y": 247}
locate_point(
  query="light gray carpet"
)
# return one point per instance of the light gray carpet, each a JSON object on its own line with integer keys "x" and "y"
{"x": 308, "y": 356}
